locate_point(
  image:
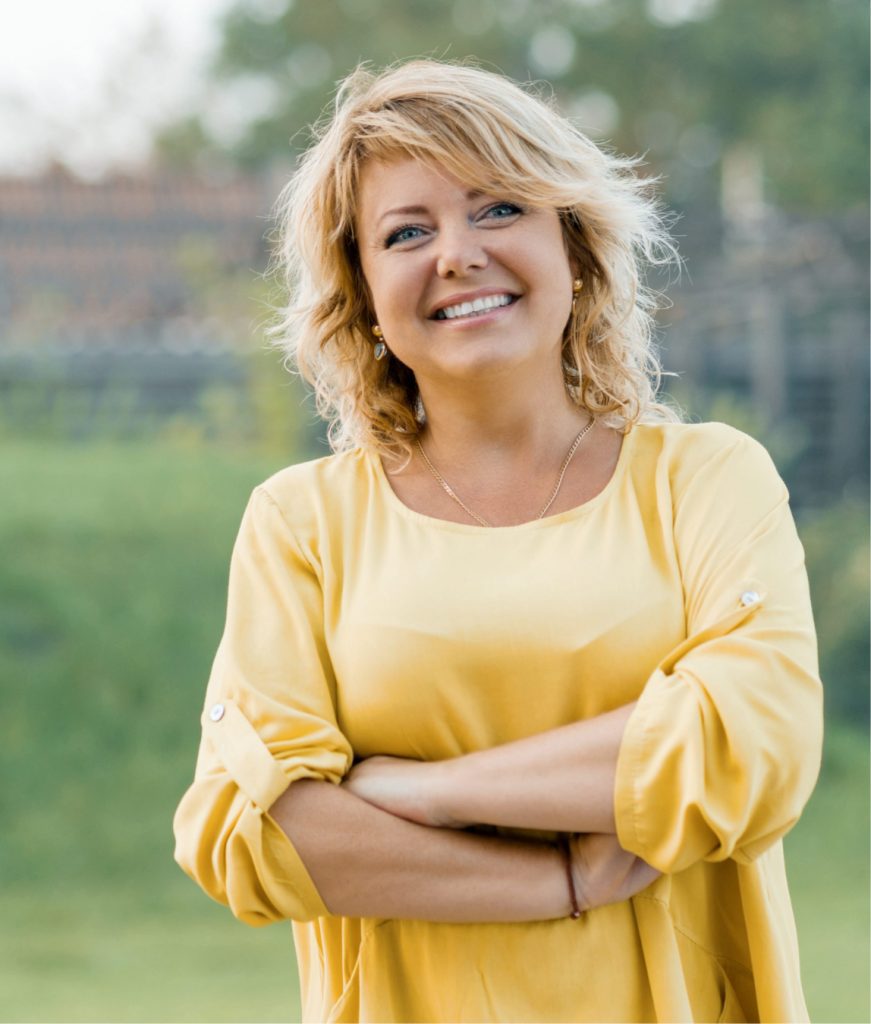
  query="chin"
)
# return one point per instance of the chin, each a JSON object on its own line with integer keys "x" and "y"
{"x": 486, "y": 366}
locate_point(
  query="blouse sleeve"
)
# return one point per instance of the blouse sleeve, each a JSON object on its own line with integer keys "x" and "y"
{"x": 723, "y": 747}
{"x": 269, "y": 720}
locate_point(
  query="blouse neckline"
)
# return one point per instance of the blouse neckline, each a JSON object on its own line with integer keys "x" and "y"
{"x": 567, "y": 515}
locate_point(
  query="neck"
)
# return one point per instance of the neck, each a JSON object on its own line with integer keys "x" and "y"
{"x": 467, "y": 427}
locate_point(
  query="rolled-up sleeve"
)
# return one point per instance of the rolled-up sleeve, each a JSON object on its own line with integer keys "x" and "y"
{"x": 269, "y": 720}
{"x": 723, "y": 747}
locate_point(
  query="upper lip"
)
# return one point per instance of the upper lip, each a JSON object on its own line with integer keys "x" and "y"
{"x": 455, "y": 300}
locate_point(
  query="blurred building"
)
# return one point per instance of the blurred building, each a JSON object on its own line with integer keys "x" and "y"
{"x": 92, "y": 263}
{"x": 146, "y": 284}
{"x": 776, "y": 315}
{"x": 155, "y": 281}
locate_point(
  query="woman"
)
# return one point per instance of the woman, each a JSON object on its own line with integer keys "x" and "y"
{"x": 525, "y": 646}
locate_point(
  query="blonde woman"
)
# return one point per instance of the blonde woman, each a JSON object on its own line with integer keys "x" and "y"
{"x": 518, "y": 690}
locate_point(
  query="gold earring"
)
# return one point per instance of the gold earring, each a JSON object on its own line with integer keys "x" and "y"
{"x": 380, "y": 350}
{"x": 577, "y": 288}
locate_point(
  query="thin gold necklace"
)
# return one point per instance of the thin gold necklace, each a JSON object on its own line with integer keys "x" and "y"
{"x": 480, "y": 519}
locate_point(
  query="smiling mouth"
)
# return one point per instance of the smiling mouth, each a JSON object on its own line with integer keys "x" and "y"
{"x": 477, "y": 307}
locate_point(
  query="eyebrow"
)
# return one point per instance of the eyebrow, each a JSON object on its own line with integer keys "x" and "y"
{"x": 416, "y": 211}
{"x": 404, "y": 211}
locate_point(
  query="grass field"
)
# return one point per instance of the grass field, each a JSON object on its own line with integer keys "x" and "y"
{"x": 112, "y": 586}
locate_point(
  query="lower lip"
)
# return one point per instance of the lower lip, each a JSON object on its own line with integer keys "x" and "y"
{"x": 479, "y": 320}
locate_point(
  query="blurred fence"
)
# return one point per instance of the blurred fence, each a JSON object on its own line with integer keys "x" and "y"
{"x": 778, "y": 319}
{"x": 122, "y": 390}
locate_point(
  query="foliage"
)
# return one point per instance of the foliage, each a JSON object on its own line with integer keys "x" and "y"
{"x": 233, "y": 399}
{"x": 838, "y": 558}
{"x": 686, "y": 81}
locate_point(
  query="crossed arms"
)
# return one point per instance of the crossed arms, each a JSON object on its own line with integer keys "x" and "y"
{"x": 385, "y": 843}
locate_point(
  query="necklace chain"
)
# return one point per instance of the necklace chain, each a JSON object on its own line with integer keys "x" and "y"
{"x": 480, "y": 519}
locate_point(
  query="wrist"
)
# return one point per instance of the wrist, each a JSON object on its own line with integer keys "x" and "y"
{"x": 564, "y": 842}
{"x": 579, "y": 876}
{"x": 444, "y": 786}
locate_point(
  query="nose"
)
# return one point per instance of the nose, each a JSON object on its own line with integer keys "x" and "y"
{"x": 459, "y": 251}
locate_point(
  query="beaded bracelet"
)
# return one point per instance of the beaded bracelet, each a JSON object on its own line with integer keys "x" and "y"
{"x": 565, "y": 846}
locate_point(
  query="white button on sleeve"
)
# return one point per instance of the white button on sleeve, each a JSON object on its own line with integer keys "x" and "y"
{"x": 217, "y": 712}
{"x": 749, "y": 597}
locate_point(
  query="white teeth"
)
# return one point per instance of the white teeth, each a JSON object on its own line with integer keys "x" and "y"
{"x": 476, "y": 306}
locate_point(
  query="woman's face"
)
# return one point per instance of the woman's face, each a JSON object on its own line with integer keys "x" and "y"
{"x": 465, "y": 286}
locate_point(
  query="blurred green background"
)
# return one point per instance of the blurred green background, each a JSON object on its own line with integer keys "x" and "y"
{"x": 131, "y": 437}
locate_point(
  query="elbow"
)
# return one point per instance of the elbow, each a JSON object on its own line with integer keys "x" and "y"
{"x": 228, "y": 883}
{"x": 775, "y": 783}
{"x": 224, "y": 870}
{"x": 247, "y": 864}
{"x": 713, "y": 773}
{"x": 714, "y": 801}
{"x": 773, "y": 806}
{"x": 743, "y": 811}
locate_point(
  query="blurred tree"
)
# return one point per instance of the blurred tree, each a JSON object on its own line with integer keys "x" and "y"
{"x": 698, "y": 85}
{"x": 838, "y": 556}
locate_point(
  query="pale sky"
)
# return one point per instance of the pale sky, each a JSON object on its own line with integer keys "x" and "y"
{"x": 76, "y": 80}
{"x": 88, "y": 81}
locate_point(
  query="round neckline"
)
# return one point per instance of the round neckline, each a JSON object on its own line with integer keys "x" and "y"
{"x": 567, "y": 515}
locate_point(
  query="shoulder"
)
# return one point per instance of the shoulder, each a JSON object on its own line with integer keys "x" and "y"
{"x": 688, "y": 447}
{"x": 696, "y": 458}
{"x": 330, "y": 473}
{"x": 689, "y": 442}
{"x": 308, "y": 493}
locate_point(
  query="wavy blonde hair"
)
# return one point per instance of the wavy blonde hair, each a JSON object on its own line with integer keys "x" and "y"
{"x": 499, "y": 138}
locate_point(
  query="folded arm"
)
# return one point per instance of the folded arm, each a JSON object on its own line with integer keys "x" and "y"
{"x": 562, "y": 779}
{"x": 368, "y": 863}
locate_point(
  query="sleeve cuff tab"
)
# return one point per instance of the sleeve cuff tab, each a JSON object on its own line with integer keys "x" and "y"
{"x": 243, "y": 753}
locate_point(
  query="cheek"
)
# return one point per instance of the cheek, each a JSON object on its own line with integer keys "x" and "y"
{"x": 541, "y": 257}
{"x": 395, "y": 291}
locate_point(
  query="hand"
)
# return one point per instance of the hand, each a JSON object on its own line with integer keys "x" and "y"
{"x": 408, "y": 789}
{"x": 604, "y": 872}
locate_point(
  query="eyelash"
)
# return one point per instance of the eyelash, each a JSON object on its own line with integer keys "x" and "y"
{"x": 393, "y": 238}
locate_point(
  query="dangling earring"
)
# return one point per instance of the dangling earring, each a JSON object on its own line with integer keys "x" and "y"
{"x": 380, "y": 350}
{"x": 577, "y": 288}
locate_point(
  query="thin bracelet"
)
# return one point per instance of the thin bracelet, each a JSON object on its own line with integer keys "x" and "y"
{"x": 565, "y": 846}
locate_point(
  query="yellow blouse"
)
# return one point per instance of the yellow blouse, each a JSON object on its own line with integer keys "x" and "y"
{"x": 356, "y": 626}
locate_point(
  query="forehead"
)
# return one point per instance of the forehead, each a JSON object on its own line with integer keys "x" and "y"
{"x": 403, "y": 181}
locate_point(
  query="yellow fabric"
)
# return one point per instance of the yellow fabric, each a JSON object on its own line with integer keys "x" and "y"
{"x": 356, "y": 626}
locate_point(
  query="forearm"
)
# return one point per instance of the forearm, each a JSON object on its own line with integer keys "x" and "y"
{"x": 368, "y": 863}
{"x": 562, "y": 779}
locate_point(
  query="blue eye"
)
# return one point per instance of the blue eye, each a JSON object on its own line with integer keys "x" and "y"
{"x": 403, "y": 234}
{"x": 501, "y": 211}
